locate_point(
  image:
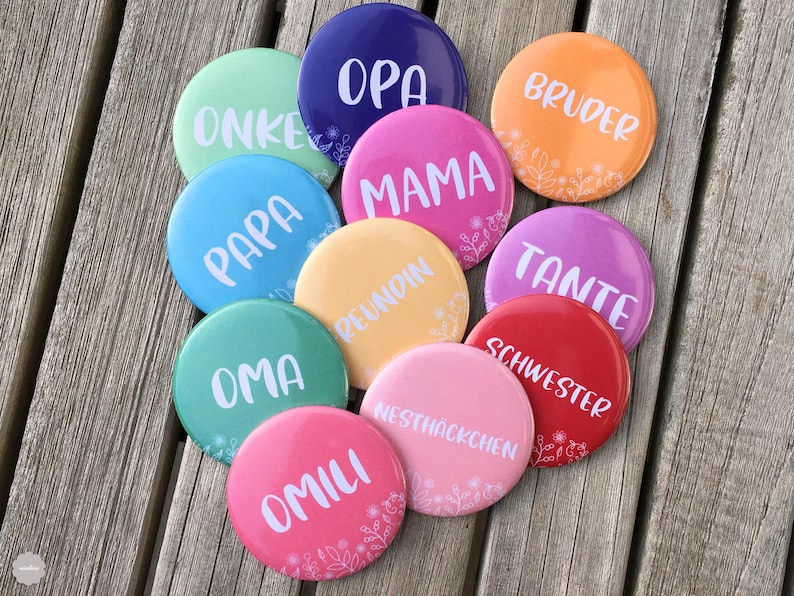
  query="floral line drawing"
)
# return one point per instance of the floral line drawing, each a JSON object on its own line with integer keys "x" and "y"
{"x": 337, "y": 148}
{"x": 542, "y": 175}
{"x": 312, "y": 243}
{"x": 582, "y": 186}
{"x": 324, "y": 177}
{"x": 346, "y": 557}
{"x": 450, "y": 316}
{"x": 561, "y": 449}
{"x": 285, "y": 294}
{"x": 222, "y": 449}
{"x": 474, "y": 496}
{"x": 484, "y": 236}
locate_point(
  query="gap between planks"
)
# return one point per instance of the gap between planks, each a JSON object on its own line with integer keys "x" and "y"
{"x": 721, "y": 74}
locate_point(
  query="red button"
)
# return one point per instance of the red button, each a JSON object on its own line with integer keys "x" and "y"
{"x": 572, "y": 365}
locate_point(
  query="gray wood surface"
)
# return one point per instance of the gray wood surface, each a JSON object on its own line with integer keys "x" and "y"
{"x": 99, "y": 441}
{"x": 201, "y": 553}
{"x": 694, "y": 493}
{"x": 570, "y": 529}
{"x": 49, "y": 60}
{"x": 721, "y": 491}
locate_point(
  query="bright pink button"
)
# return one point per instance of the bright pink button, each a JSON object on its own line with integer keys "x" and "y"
{"x": 316, "y": 493}
{"x": 460, "y": 422}
{"x": 436, "y": 167}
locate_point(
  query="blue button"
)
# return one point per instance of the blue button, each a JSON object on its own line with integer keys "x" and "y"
{"x": 243, "y": 227}
{"x": 369, "y": 61}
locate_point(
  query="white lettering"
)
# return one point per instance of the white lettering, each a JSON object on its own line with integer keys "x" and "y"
{"x": 426, "y": 189}
{"x": 588, "y": 109}
{"x": 199, "y": 127}
{"x": 547, "y": 378}
{"x": 216, "y": 259}
{"x": 264, "y": 371}
{"x": 334, "y": 482}
{"x": 384, "y": 75}
{"x": 412, "y": 275}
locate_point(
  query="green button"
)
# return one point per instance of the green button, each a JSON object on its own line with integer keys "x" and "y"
{"x": 246, "y": 362}
{"x": 241, "y": 103}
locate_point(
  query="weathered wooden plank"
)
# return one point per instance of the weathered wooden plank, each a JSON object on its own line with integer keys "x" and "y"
{"x": 96, "y": 451}
{"x": 51, "y": 63}
{"x": 570, "y": 529}
{"x": 202, "y": 552}
{"x": 721, "y": 491}
{"x": 302, "y": 19}
{"x": 430, "y": 555}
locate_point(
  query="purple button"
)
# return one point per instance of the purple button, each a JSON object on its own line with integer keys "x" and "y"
{"x": 369, "y": 61}
{"x": 580, "y": 253}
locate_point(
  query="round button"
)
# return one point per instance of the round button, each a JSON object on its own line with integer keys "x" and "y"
{"x": 572, "y": 366}
{"x": 459, "y": 185}
{"x": 241, "y": 103}
{"x": 368, "y": 61}
{"x": 248, "y": 361}
{"x": 460, "y": 422}
{"x": 316, "y": 493}
{"x": 382, "y": 286}
{"x": 243, "y": 228}
{"x": 579, "y": 253}
{"x": 576, "y": 115}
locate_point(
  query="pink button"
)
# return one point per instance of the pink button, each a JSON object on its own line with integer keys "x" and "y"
{"x": 460, "y": 422}
{"x": 316, "y": 493}
{"x": 436, "y": 167}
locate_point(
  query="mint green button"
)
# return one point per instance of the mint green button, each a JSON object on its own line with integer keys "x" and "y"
{"x": 241, "y": 103}
{"x": 246, "y": 362}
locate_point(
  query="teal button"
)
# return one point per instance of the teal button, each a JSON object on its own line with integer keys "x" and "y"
{"x": 245, "y": 363}
{"x": 243, "y": 229}
{"x": 241, "y": 103}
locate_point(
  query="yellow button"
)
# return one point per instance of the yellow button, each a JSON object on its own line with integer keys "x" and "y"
{"x": 382, "y": 286}
{"x": 576, "y": 116}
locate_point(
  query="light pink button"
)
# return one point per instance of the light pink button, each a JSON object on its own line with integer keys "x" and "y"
{"x": 460, "y": 422}
{"x": 436, "y": 167}
{"x": 316, "y": 493}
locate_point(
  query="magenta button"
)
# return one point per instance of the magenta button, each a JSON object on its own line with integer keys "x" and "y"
{"x": 436, "y": 167}
{"x": 580, "y": 253}
{"x": 316, "y": 493}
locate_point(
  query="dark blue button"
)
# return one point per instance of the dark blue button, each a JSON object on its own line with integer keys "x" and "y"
{"x": 243, "y": 227}
{"x": 369, "y": 61}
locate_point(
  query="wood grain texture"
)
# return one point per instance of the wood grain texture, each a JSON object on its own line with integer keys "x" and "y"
{"x": 569, "y": 530}
{"x": 202, "y": 554}
{"x": 48, "y": 63}
{"x": 721, "y": 496}
{"x": 429, "y": 555}
{"x": 302, "y": 19}
{"x": 100, "y": 431}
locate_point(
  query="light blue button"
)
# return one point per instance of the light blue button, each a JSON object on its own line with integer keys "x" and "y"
{"x": 243, "y": 227}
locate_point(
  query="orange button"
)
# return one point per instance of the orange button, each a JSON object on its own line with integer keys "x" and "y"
{"x": 576, "y": 116}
